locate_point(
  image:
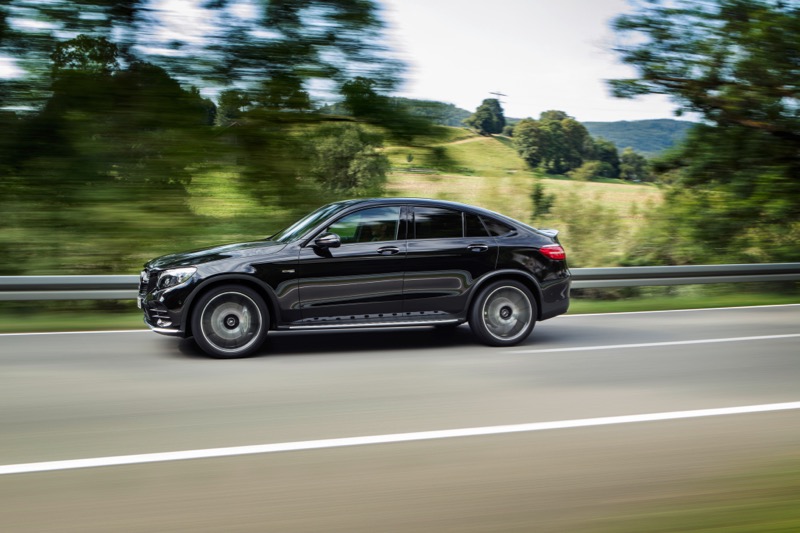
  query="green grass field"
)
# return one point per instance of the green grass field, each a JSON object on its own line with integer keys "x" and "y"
{"x": 488, "y": 172}
{"x": 760, "y": 499}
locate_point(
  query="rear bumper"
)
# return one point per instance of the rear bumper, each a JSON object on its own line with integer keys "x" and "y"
{"x": 555, "y": 299}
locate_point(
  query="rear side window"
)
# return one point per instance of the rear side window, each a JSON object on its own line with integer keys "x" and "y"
{"x": 473, "y": 226}
{"x": 497, "y": 228}
{"x": 437, "y": 223}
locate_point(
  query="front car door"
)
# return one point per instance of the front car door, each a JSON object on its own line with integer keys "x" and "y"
{"x": 361, "y": 281}
{"x": 448, "y": 250}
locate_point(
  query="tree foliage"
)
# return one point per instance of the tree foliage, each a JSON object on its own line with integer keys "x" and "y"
{"x": 733, "y": 61}
{"x": 488, "y": 118}
{"x": 556, "y": 142}
{"x": 634, "y": 166}
{"x": 345, "y": 160}
{"x": 105, "y": 128}
{"x": 737, "y": 178}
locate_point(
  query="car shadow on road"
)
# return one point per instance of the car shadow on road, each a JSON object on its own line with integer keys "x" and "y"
{"x": 352, "y": 341}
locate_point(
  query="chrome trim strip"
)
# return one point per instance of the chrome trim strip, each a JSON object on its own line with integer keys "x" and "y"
{"x": 395, "y": 323}
{"x": 164, "y": 331}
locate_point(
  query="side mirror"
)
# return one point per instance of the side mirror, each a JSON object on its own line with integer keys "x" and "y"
{"x": 328, "y": 240}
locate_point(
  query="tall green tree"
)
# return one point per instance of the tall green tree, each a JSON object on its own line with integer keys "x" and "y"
{"x": 345, "y": 160}
{"x": 734, "y": 62}
{"x": 363, "y": 101}
{"x": 634, "y": 166}
{"x": 105, "y": 162}
{"x": 488, "y": 118}
{"x": 556, "y": 142}
{"x": 607, "y": 154}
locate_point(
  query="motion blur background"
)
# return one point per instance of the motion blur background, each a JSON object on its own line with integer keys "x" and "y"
{"x": 132, "y": 128}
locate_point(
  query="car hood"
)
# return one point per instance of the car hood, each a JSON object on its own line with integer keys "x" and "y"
{"x": 206, "y": 255}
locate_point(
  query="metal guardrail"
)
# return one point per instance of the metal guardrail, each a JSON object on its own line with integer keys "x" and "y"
{"x": 588, "y": 278}
{"x": 124, "y": 287}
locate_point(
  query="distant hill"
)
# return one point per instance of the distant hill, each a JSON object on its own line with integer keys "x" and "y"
{"x": 648, "y": 137}
{"x": 437, "y": 112}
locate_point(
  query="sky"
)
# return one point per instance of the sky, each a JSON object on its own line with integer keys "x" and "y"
{"x": 541, "y": 54}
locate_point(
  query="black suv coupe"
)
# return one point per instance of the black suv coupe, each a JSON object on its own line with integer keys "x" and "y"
{"x": 363, "y": 263}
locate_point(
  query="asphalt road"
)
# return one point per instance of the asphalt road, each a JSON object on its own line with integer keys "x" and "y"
{"x": 99, "y": 395}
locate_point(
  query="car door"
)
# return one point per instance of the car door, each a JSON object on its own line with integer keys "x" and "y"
{"x": 361, "y": 281}
{"x": 448, "y": 250}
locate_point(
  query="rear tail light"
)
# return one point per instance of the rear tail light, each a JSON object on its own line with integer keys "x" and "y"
{"x": 554, "y": 252}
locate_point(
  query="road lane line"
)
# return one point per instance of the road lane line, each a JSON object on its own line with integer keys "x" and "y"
{"x": 50, "y": 466}
{"x": 657, "y": 344}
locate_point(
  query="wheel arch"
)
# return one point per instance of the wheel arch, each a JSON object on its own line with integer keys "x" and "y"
{"x": 261, "y": 288}
{"x": 528, "y": 280}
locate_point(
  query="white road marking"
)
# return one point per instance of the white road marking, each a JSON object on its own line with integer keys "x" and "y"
{"x": 657, "y": 344}
{"x": 49, "y": 466}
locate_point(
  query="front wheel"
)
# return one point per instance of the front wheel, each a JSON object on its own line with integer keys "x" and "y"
{"x": 230, "y": 321}
{"x": 503, "y": 314}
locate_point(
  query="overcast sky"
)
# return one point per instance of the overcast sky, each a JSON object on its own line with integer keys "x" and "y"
{"x": 542, "y": 54}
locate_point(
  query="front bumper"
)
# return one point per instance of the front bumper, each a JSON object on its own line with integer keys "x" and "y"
{"x": 162, "y": 308}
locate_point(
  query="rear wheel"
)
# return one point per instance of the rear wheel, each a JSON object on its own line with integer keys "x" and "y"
{"x": 503, "y": 314}
{"x": 230, "y": 321}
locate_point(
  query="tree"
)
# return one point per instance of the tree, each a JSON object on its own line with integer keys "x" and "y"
{"x": 364, "y": 102}
{"x": 345, "y": 160}
{"x": 732, "y": 61}
{"x": 542, "y": 201}
{"x": 606, "y": 152}
{"x": 104, "y": 160}
{"x": 556, "y": 142}
{"x": 735, "y": 62}
{"x": 634, "y": 166}
{"x": 488, "y": 118}
{"x": 232, "y": 105}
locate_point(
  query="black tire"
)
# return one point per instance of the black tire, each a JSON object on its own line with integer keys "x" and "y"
{"x": 503, "y": 313}
{"x": 230, "y": 321}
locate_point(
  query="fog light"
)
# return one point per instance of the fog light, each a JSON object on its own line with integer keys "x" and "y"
{"x": 163, "y": 323}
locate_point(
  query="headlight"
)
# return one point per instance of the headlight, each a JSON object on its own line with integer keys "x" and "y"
{"x": 174, "y": 277}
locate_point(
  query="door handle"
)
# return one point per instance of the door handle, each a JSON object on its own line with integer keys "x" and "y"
{"x": 389, "y": 250}
{"x": 478, "y": 248}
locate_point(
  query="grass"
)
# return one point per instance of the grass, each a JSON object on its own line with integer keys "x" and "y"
{"x": 664, "y": 303}
{"x": 488, "y": 172}
{"x": 763, "y": 500}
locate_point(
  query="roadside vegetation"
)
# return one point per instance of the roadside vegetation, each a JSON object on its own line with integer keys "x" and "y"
{"x": 112, "y": 154}
{"x": 761, "y": 498}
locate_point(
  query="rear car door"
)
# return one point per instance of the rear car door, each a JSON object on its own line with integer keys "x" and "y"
{"x": 448, "y": 250}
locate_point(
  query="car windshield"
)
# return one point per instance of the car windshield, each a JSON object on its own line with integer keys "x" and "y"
{"x": 299, "y": 228}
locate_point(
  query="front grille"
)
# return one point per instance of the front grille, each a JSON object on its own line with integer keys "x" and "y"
{"x": 147, "y": 281}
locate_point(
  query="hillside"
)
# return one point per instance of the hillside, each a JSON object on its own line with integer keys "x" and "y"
{"x": 463, "y": 166}
{"x": 648, "y": 137}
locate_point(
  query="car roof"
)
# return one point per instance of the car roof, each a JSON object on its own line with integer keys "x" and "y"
{"x": 426, "y": 201}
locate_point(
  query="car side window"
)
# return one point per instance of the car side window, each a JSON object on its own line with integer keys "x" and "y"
{"x": 437, "y": 223}
{"x": 473, "y": 227}
{"x": 368, "y": 225}
{"x": 497, "y": 228}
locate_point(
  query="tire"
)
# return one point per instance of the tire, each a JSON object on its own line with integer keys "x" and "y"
{"x": 503, "y": 313}
{"x": 230, "y": 321}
